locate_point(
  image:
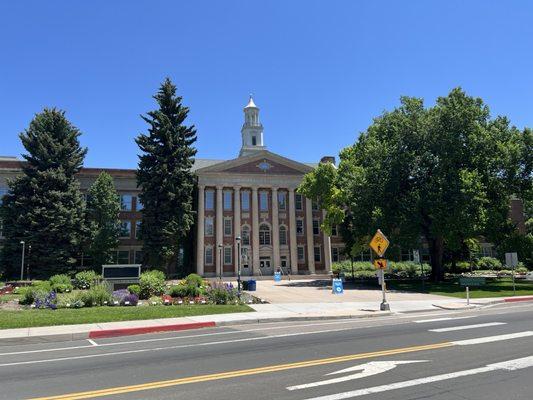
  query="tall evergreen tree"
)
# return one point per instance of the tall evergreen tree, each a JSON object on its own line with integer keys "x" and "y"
{"x": 44, "y": 206}
{"x": 165, "y": 178}
{"x": 103, "y": 207}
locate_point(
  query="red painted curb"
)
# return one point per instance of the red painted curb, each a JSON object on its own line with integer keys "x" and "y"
{"x": 514, "y": 299}
{"x": 148, "y": 329}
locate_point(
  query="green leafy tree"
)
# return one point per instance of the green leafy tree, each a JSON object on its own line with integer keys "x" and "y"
{"x": 44, "y": 206}
{"x": 165, "y": 179}
{"x": 103, "y": 207}
{"x": 443, "y": 174}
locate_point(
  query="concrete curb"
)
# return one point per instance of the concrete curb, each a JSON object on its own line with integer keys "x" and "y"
{"x": 106, "y": 333}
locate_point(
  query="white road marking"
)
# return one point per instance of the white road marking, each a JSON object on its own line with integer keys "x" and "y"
{"x": 490, "y": 339}
{"x": 511, "y": 365}
{"x": 92, "y": 342}
{"x": 367, "y": 369}
{"x": 423, "y": 321}
{"x": 464, "y": 327}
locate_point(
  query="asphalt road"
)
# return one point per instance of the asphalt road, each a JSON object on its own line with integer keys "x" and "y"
{"x": 484, "y": 354}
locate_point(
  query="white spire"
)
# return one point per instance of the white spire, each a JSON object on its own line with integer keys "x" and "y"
{"x": 252, "y": 130}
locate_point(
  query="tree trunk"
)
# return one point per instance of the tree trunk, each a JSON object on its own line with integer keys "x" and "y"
{"x": 436, "y": 251}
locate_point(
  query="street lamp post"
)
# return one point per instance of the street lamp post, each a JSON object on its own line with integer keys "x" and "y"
{"x": 22, "y": 263}
{"x": 28, "y": 263}
{"x": 238, "y": 239}
{"x": 221, "y": 261}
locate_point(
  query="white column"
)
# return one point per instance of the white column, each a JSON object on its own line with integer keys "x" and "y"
{"x": 236, "y": 224}
{"x": 327, "y": 246}
{"x": 255, "y": 231}
{"x": 309, "y": 234}
{"x": 219, "y": 231}
{"x": 200, "y": 232}
{"x": 275, "y": 228}
{"x": 292, "y": 233}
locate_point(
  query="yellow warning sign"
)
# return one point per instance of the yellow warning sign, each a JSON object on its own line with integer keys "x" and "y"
{"x": 379, "y": 243}
{"x": 380, "y": 263}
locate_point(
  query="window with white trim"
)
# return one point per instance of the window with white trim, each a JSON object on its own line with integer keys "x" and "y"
{"x": 264, "y": 235}
{"x": 300, "y": 227}
{"x": 208, "y": 227}
{"x": 282, "y": 201}
{"x": 314, "y": 205}
{"x": 335, "y": 254}
{"x": 138, "y": 229}
{"x": 227, "y": 200}
{"x": 317, "y": 253}
{"x": 334, "y": 230}
{"x": 263, "y": 201}
{"x": 316, "y": 227}
{"x": 282, "y": 235}
{"x": 245, "y": 200}
{"x": 122, "y": 257}
{"x": 125, "y": 202}
{"x": 208, "y": 257}
{"x": 298, "y": 201}
{"x": 228, "y": 231}
{"x": 228, "y": 255}
{"x": 209, "y": 199}
{"x": 125, "y": 229}
{"x": 245, "y": 235}
{"x": 301, "y": 253}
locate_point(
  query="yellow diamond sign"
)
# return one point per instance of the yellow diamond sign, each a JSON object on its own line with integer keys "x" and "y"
{"x": 380, "y": 263}
{"x": 379, "y": 243}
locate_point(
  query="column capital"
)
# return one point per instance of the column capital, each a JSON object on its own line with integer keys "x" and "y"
{"x": 219, "y": 187}
{"x": 255, "y": 188}
{"x": 274, "y": 188}
{"x": 237, "y": 187}
{"x": 201, "y": 187}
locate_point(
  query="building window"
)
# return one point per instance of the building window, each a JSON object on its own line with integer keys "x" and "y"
{"x": 335, "y": 254}
{"x": 264, "y": 235}
{"x": 298, "y": 201}
{"x": 139, "y": 205}
{"x": 125, "y": 202}
{"x": 139, "y": 257}
{"x": 227, "y": 200}
{"x": 314, "y": 205}
{"x": 282, "y": 235}
{"x": 3, "y": 192}
{"x": 263, "y": 201}
{"x": 138, "y": 229}
{"x": 228, "y": 255}
{"x": 125, "y": 229}
{"x": 209, "y": 199}
{"x": 301, "y": 254}
{"x": 208, "y": 255}
{"x": 1, "y": 228}
{"x": 227, "y": 227}
{"x": 316, "y": 227}
{"x": 334, "y": 231}
{"x": 406, "y": 254}
{"x": 245, "y": 235}
{"x": 245, "y": 200}
{"x": 300, "y": 227}
{"x": 123, "y": 257}
{"x": 254, "y": 141}
{"x": 282, "y": 201}
{"x": 317, "y": 254}
{"x": 208, "y": 229}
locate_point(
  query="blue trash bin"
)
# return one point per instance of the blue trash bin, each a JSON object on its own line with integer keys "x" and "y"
{"x": 251, "y": 285}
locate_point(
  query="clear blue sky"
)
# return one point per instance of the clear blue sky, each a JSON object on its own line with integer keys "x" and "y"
{"x": 319, "y": 70}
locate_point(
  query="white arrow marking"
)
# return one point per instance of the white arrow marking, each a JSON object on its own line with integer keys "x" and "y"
{"x": 511, "y": 365}
{"x": 367, "y": 369}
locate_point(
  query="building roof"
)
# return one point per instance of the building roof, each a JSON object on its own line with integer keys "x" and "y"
{"x": 251, "y": 103}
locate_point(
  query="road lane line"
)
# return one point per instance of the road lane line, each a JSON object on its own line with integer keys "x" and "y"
{"x": 490, "y": 339}
{"x": 464, "y": 327}
{"x": 92, "y": 342}
{"x": 423, "y": 321}
{"x": 240, "y": 373}
{"x": 511, "y": 365}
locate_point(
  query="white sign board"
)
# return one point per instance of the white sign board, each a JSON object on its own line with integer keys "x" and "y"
{"x": 511, "y": 260}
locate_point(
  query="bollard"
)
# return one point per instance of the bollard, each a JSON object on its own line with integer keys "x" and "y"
{"x": 467, "y": 296}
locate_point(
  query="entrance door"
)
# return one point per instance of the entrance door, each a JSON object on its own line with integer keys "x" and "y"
{"x": 265, "y": 266}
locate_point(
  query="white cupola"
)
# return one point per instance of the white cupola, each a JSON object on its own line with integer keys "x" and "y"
{"x": 252, "y": 130}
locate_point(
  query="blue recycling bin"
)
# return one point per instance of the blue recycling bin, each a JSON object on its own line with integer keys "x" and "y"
{"x": 251, "y": 285}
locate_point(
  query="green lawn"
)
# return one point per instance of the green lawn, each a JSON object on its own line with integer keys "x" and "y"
{"x": 32, "y": 318}
{"x": 493, "y": 288}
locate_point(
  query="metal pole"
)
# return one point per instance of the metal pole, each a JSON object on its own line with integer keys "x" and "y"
{"x": 239, "y": 267}
{"x": 467, "y": 296}
{"x": 514, "y": 285}
{"x": 22, "y": 263}
{"x": 384, "y": 305}
{"x": 221, "y": 261}
{"x": 28, "y": 263}
{"x": 353, "y": 276}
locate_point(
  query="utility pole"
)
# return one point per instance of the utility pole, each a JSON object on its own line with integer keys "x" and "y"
{"x": 22, "y": 263}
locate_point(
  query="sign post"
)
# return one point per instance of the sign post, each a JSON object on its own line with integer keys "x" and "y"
{"x": 511, "y": 261}
{"x": 379, "y": 244}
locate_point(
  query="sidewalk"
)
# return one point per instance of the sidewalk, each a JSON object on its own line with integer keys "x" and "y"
{"x": 264, "y": 313}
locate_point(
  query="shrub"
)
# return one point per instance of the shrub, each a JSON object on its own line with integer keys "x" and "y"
{"x": 152, "y": 283}
{"x": 134, "y": 289}
{"x": 155, "y": 301}
{"x": 27, "y": 295}
{"x": 130, "y": 300}
{"x": 70, "y": 300}
{"x": 489, "y": 263}
{"x": 45, "y": 299}
{"x": 118, "y": 295}
{"x": 194, "y": 280}
{"x": 178, "y": 291}
{"x": 61, "y": 283}
{"x": 521, "y": 270}
{"x": 85, "y": 279}
{"x": 44, "y": 286}
{"x": 221, "y": 293}
{"x": 98, "y": 295}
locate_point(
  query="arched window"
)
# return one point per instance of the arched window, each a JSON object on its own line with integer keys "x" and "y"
{"x": 264, "y": 234}
{"x": 282, "y": 235}
{"x": 245, "y": 235}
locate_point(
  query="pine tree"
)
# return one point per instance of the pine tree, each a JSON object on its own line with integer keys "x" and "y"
{"x": 165, "y": 178}
{"x": 44, "y": 206}
{"x": 103, "y": 207}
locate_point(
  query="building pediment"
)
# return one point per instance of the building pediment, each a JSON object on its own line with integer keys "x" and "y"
{"x": 261, "y": 163}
